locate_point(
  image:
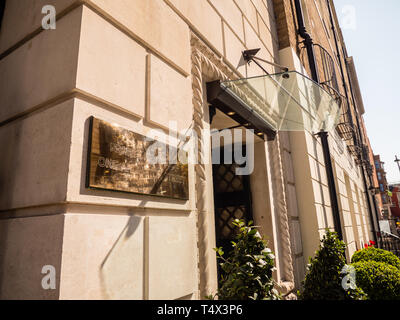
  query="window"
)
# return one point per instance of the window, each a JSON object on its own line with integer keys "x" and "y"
{"x": 381, "y": 188}
{"x": 377, "y": 165}
{"x": 379, "y": 176}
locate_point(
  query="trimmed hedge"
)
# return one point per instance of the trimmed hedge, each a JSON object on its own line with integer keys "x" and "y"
{"x": 379, "y": 280}
{"x": 378, "y": 255}
{"x": 323, "y": 280}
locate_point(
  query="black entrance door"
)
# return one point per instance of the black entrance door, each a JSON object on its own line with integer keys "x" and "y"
{"x": 232, "y": 200}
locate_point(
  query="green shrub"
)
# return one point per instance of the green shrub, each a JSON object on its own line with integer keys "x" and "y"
{"x": 378, "y": 255}
{"x": 381, "y": 281}
{"x": 323, "y": 280}
{"x": 247, "y": 271}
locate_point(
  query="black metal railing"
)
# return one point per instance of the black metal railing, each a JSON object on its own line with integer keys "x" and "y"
{"x": 347, "y": 132}
{"x": 365, "y": 153}
{"x": 369, "y": 168}
{"x": 345, "y": 127}
{"x": 364, "y": 159}
{"x": 326, "y": 70}
{"x": 329, "y": 81}
{"x": 389, "y": 242}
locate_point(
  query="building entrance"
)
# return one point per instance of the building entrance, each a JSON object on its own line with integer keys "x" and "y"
{"x": 232, "y": 200}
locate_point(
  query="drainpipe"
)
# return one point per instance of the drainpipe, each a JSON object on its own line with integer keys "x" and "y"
{"x": 308, "y": 41}
{"x": 351, "y": 119}
{"x": 2, "y": 8}
{"x": 377, "y": 219}
{"x": 323, "y": 134}
{"x": 331, "y": 182}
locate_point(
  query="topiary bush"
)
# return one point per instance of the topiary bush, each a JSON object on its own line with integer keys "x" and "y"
{"x": 378, "y": 255}
{"x": 379, "y": 280}
{"x": 323, "y": 280}
{"x": 247, "y": 271}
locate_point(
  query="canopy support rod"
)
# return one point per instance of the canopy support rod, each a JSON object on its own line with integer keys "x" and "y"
{"x": 250, "y": 55}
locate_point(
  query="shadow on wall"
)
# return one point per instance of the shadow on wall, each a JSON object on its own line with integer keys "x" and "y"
{"x": 121, "y": 271}
{"x": 121, "y": 276}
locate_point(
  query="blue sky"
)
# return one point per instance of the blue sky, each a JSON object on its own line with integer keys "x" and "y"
{"x": 374, "y": 42}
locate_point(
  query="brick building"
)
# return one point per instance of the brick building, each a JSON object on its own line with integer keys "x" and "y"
{"x": 138, "y": 65}
{"x": 395, "y": 208}
{"x": 383, "y": 187}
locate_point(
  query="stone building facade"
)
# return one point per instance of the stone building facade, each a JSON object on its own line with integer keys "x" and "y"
{"x": 141, "y": 64}
{"x": 348, "y": 143}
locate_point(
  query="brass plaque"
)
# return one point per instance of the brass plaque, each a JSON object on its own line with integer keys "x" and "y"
{"x": 117, "y": 160}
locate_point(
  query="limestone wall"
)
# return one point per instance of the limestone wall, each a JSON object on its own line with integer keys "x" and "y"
{"x": 126, "y": 62}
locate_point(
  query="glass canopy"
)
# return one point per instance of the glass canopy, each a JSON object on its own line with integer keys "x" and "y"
{"x": 287, "y": 101}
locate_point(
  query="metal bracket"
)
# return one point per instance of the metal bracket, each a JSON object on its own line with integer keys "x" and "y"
{"x": 250, "y": 55}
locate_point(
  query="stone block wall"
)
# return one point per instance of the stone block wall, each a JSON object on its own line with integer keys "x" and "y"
{"x": 126, "y": 62}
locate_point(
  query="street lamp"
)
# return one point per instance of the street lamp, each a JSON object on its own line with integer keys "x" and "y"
{"x": 398, "y": 162}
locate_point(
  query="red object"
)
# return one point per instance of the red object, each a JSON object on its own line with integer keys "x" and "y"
{"x": 370, "y": 245}
{"x": 395, "y": 211}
